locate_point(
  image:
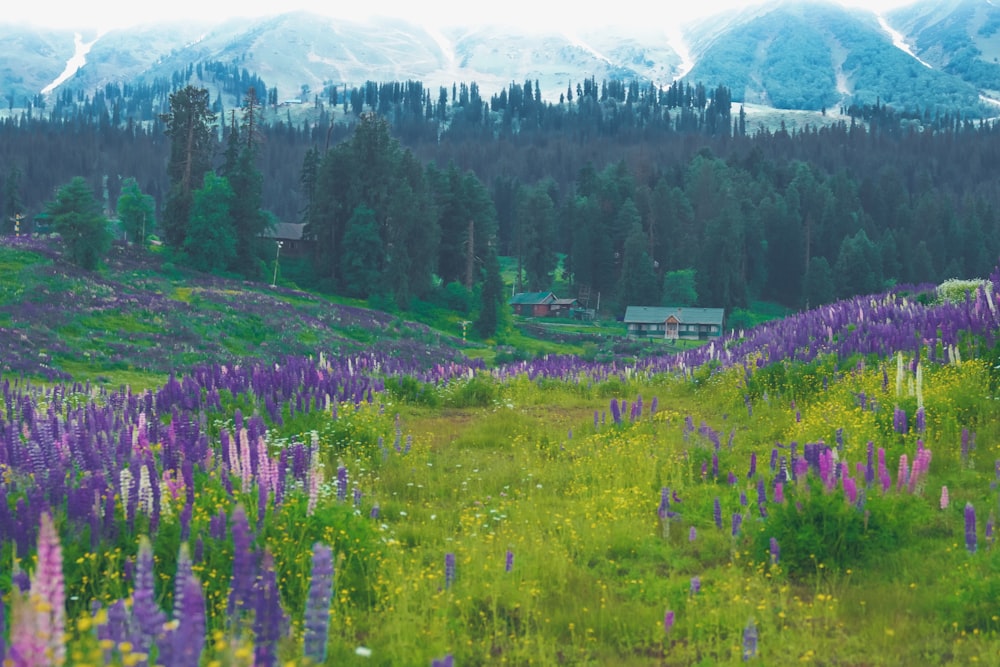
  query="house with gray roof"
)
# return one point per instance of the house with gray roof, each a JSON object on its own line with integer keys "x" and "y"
{"x": 674, "y": 323}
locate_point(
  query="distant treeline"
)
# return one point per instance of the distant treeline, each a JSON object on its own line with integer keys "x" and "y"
{"x": 638, "y": 186}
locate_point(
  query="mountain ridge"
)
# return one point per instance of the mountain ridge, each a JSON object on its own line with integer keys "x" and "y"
{"x": 790, "y": 55}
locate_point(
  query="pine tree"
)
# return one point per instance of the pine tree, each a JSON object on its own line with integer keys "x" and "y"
{"x": 189, "y": 124}
{"x": 76, "y": 216}
{"x": 210, "y": 244}
{"x": 135, "y": 211}
{"x": 492, "y": 306}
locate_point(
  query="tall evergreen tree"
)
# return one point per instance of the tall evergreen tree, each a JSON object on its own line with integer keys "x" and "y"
{"x": 210, "y": 244}
{"x": 492, "y": 301}
{"x": 189, "y": 124}
{"x": 536, "y": 223}
{"x": 637, "y": 284}
{"x": 135, "y": 211}
{"x": 249, "y": 220}
{"x": 76, "y": 215}
{"x": 363, "y": 253}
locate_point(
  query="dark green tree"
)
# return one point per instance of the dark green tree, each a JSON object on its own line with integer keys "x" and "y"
{"x": 363, "y": 254}
{"x": 210, "y": 244}
{"x": 637, "y": 285}
{"x": 492, "y": 301}
{"x": 680, "y": 288}
{"x": 818, "y": 287}
{"x": 136, "y": 211}
{"x": 76, "y": 215}
{"x": 249, "y": 220}
{"x": 536, "y": 224}
{"x": 859, "y": 266}
{"x": 189, "y": 125}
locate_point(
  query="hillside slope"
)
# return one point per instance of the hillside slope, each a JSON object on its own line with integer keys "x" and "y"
{"x": 140, "y": 315}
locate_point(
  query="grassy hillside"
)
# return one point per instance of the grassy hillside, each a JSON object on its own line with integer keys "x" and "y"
{"x": 140, "y": 317}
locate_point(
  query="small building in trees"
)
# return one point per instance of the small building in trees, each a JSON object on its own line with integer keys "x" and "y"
{"x": 674, "y": 323}
{"x": 542, "y": 304}
{"x": 290, "y": 236}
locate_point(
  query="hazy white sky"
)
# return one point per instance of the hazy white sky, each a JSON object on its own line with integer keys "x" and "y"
{"x": 77, "y": 14}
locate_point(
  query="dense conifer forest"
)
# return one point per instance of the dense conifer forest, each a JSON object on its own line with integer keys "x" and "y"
{"x": 649, "y": 195}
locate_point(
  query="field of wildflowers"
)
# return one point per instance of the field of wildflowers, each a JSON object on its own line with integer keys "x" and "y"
{"x": 822, "y": 489}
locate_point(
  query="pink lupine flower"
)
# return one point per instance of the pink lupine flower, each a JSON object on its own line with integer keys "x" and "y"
{"x": 944, "y": 497}
{"x": 38, "y": 626}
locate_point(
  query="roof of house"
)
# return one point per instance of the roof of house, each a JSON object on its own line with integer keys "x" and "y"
{"x": 658, "y": 314}
{"x": 565, "y": 302}
{"x": 532, "y": 298}
{"x": 286, "y": 231}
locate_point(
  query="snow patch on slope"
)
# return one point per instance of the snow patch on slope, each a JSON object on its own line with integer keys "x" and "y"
{"x": 899, "y": 41}
{"x": 78, "y": 60}
{"x": 676, "y": 41}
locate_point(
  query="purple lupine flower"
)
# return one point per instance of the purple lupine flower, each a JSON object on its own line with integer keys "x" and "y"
{"x": 731, "y": 478}
{"x": 743, "y": 498}
{"x": 341, "y": 483}
{"x": 899, "y": 420}
{"x": 668, "y": 620}
{"x": 750, "y": 640}
{"x": 762, "y": 498}
{"x": 692, "y": 534}
{"x": 189, "y": 636}
{"x": 840, "y": 439}
{"x": 595, "y": 420}
{"x": 653, "y": 405}
{"x": 269, "y": 620}
{"x": 447, "y": 661}
{"x": 616, "y": 414}
{"x": 920, "y": 420}
{"x": 737, "y": 522}
{"x": 695, "y": 585}
{"x": 317, "y": 616}
{"x": 508, "y": 565}
{"x": 870, "y": 468}
{"x": 357, "y": 497}
{"x": 148, "y": 616}
{"x": 970, "y": 528}
{"x": 775, "y": 550}
{"x": 753, "y": 465}
{"x": 241, "y": 590}
{"x": 185, "y": 570}
{"x": 779, "y": 493}
{"x": 375, "y": 511}
{"x": 717, "y": 512}
{"x": 449, "y": 569}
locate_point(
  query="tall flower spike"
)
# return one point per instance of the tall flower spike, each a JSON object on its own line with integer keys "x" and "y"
{"x": 449, "y": 569}
{"x": 189, "y": 636}
{"x": 750, "y": 640}
{"x": 970, "y": 528}
{"x": 317, "y": 616}
{"x": 146, "y": 612}
{"x": 48, "y": 592}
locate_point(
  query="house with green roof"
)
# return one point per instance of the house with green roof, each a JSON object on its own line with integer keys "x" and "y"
{"x": 674, "y": 323}
{"x": 542, "y": 304}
